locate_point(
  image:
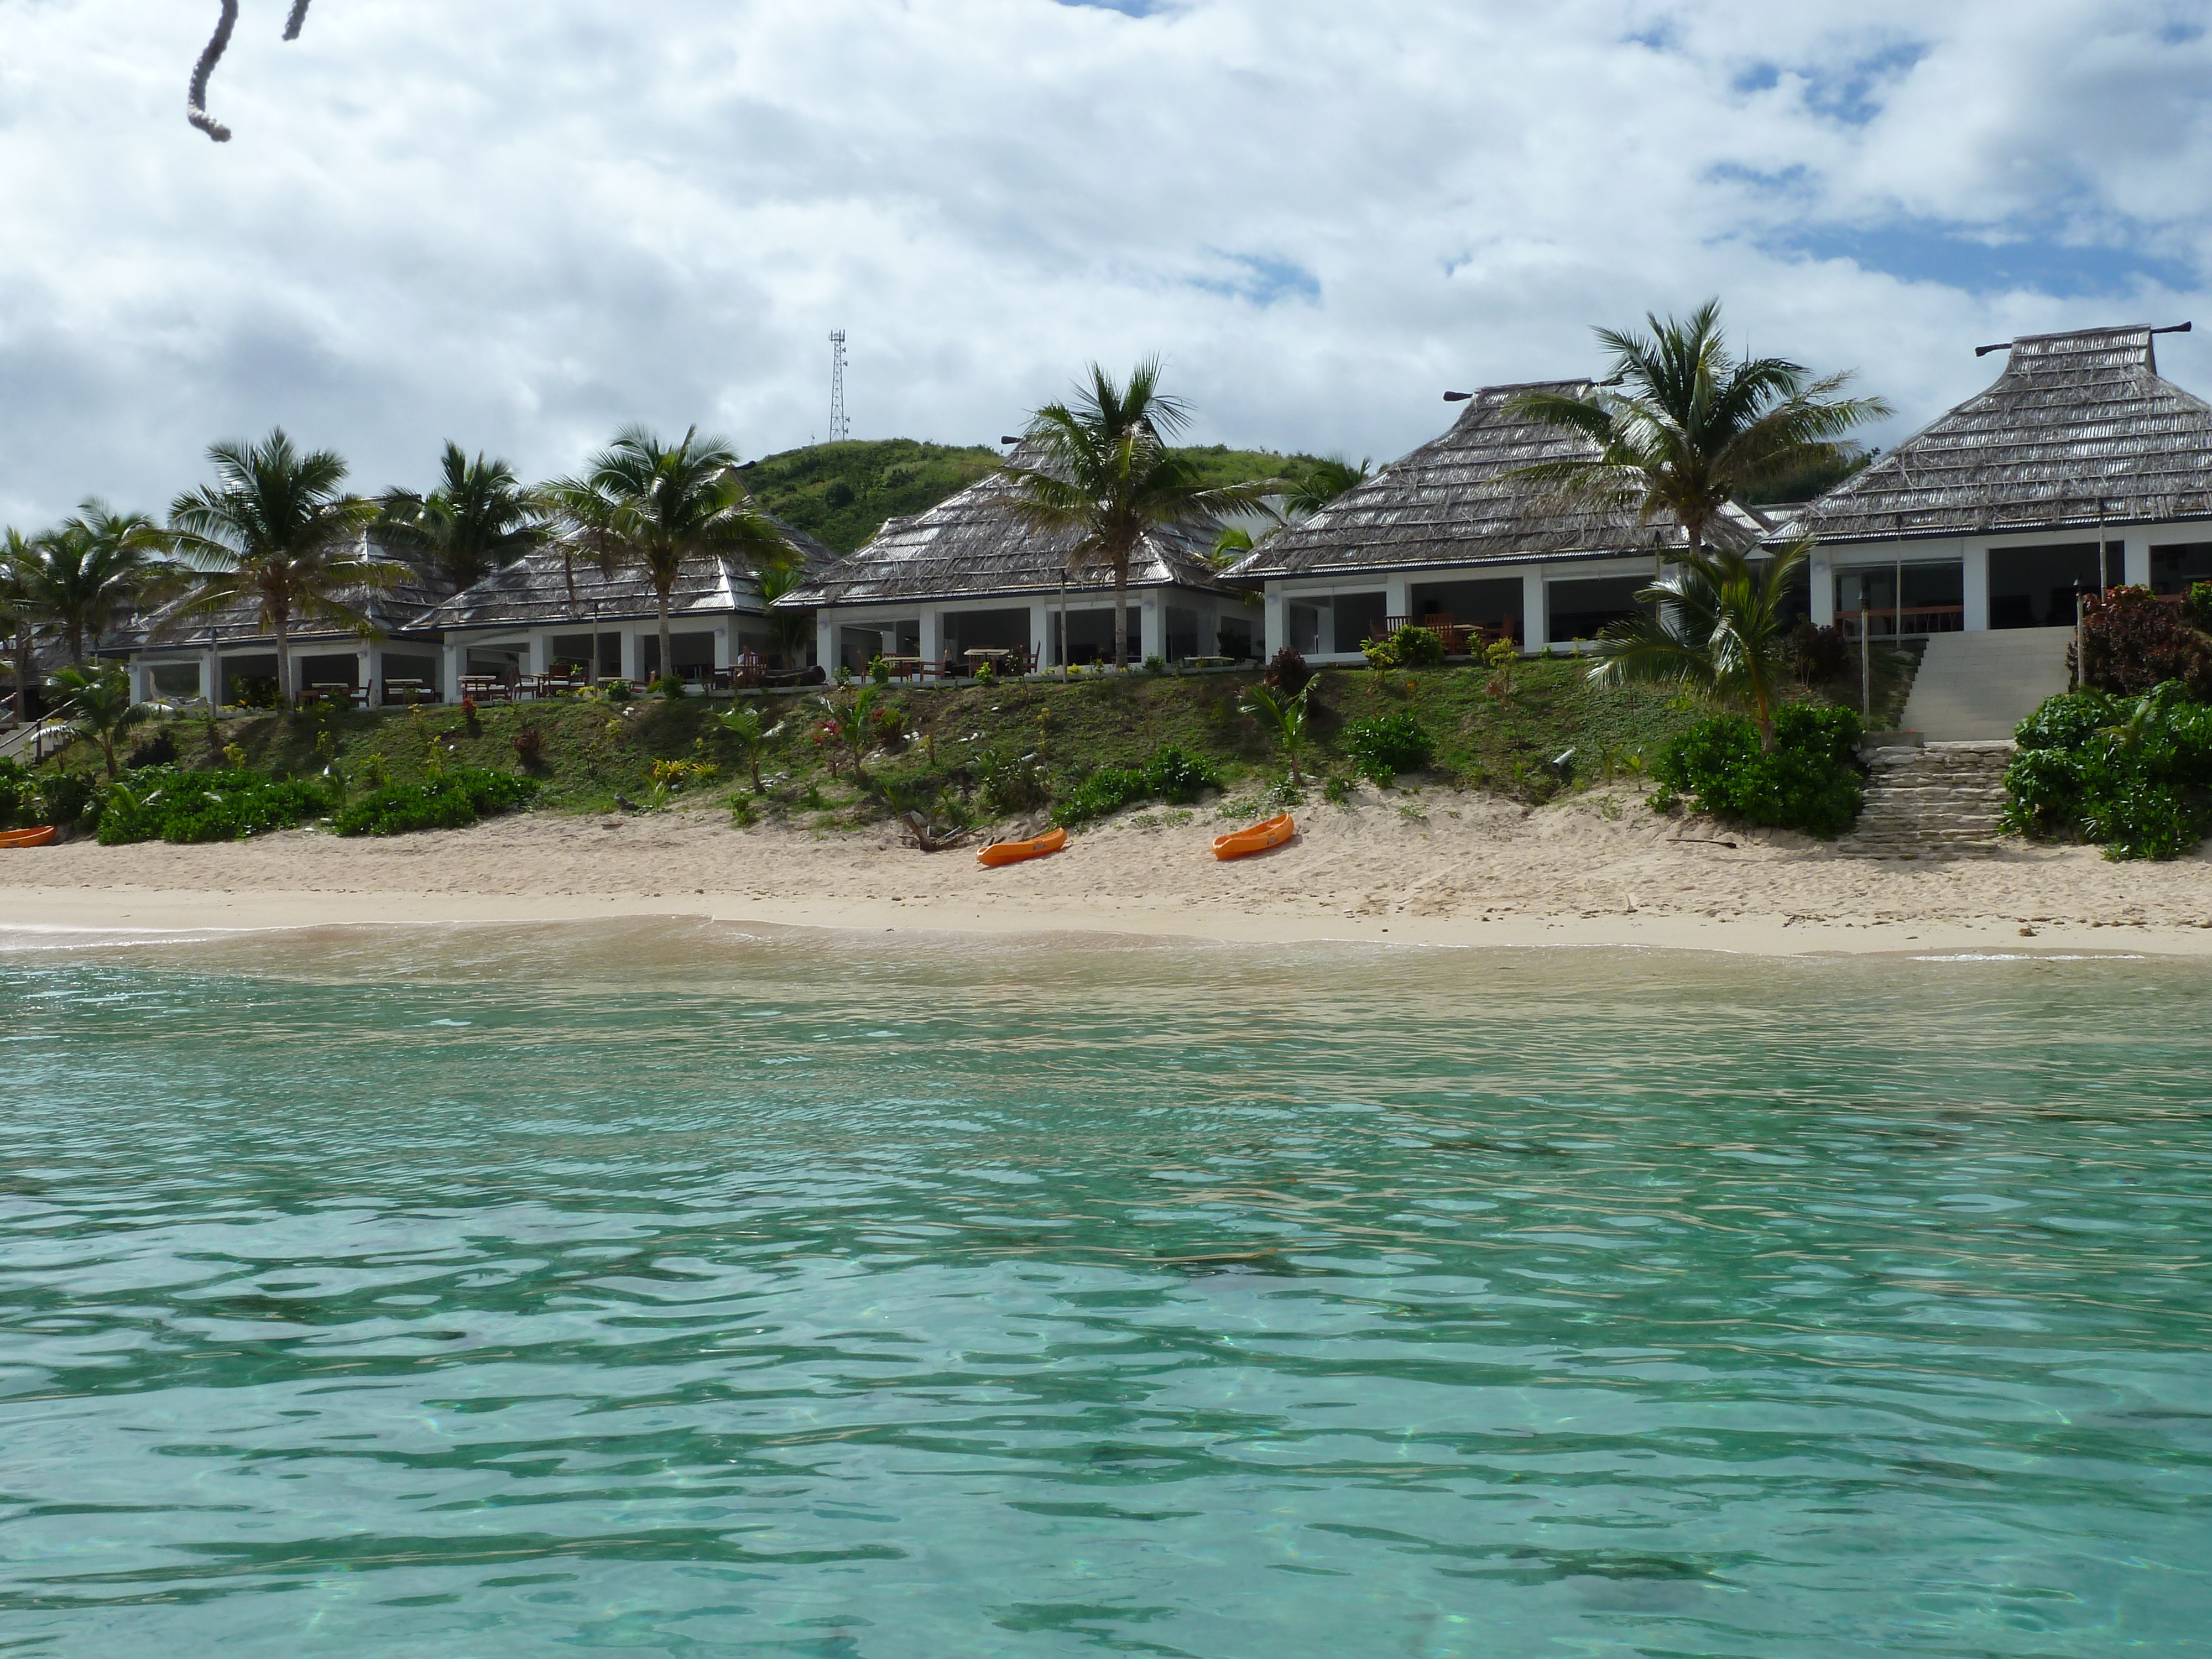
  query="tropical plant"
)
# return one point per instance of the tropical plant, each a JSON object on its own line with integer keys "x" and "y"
{"x": 1288, "y": 672}
{"x": 744, "y": 728}
{"x": 479, "y": 519}
{"x": 164, "y": 803}
{"x": 1099, "y": 469}
{"x": 2132, "y": 774}
{"x": 1325, "y": 481}
{"x": 1803, "y": 780}
{"x": 1283, "y": 717}
{"x": 453, "y": 800}
{"x": 1680, "y": 427}
{"x": 277, "y": 530}
{"x": 790, "y": 629}
{"x": 659, "y": 506}
{"x": 80, "y": 574}
{"x": 848, "y": 724}
{"x": 1716, "y": 625}
{"x": 1390, "y": 743}
{"x": 2131, "y": 641}
{"x": 97, "y": 702}
{"x": 19, "y": 617}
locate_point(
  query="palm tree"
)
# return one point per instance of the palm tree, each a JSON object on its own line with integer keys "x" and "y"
{"x": 1681, "y": 427}
{"x": 790, "y": 629}
{"x": 98, "y": 702}
{"x": 1718, "y": 625}
{"x": 660, "y": 506}
{"x": 276, "y": 529}
{"x": 479, "y": 518}
{"x": 1102, "y": 470}
{"x": 743, "y": 725}
{"x": 1283, "y": 718}
{"x": 1330, "y": 477}
{"x": 78, "y": 575}
{"x": 19, "y": 617}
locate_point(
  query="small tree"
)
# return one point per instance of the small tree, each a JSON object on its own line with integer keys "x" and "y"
{"x": 479, "y": 519}
{"x": 276, "y": 530}
{"x": 97, "y": 701}
{"x": 743, "y": 726}
{"x": 847, "y": 723}
{"x": 80, "y": 574}
{"x": 1680, "y": 427}
{"x": 1716, "y": 626}
{"x": 1100, "y": 468}
{"x": 658, "y": 506}
{"x": 1283, "y": 717}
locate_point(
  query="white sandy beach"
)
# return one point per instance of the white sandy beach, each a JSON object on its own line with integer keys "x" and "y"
{"x": 1438, "y": 868}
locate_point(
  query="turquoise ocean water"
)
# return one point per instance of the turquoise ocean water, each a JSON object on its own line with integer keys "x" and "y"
{"x": 659, "y": 1289}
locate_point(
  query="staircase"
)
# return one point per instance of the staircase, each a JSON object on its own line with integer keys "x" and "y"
{"x": 1975, "y": 688}
{"x": 1939, "y": 802}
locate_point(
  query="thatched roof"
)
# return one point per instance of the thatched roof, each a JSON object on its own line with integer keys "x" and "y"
{"x": 395, "y": 609}
{"x": 2075, "y": 419}
{"x": 1452, "y": 502}
{"x": 973, "y": 545}
{"x": 534, "y": 590}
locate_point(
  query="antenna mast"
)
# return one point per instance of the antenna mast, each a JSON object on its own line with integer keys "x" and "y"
{"x": 840, "y": 425}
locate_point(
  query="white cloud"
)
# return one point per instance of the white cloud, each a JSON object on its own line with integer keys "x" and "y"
{"x": 519, "y": 227}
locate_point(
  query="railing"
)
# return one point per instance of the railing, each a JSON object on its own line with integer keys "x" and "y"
{"x": 1905, "y": 622}
{"x": 32, "y": 741}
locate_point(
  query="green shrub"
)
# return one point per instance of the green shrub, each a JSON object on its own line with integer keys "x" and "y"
{"x": 1176, "y": 776}
{"x": 451, "y": 802}
{"x": 1010, "y": 785}
{"x": 1807, "y": 782}
{"x": 2200, "y": 606}
{"x": 1108, "y": 789}
{"x": 1418, "y": 647}
{"x": 1155, "y": 664}
{"x": 18, "y": 795}
{"x": 69, "y": 799}
{"x": 1383, "y": 747}
{"x": 1170, "y": 774}
{"x": 2131, "y": 774}
{"x": 670, "y": 687}
{"x": 163, "y": 803}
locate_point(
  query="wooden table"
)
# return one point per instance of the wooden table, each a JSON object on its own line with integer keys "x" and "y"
{"x": 407, "y": 691}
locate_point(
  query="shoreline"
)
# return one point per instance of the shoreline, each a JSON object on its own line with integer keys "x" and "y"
{"x": 1431, "y": 869}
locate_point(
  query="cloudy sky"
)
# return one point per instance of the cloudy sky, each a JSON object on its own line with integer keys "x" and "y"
{"x": 520, "y": 225}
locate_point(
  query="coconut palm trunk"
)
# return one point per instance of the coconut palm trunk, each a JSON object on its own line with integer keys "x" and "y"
{"x": 667, "y": 651}
{"x": 1121, "y": 612}
{"x": 280, "y": 621}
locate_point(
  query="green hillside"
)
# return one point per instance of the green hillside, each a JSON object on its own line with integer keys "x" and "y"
{"x": 841, "y": 494}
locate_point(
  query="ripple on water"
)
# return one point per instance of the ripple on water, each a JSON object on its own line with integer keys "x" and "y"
{"x": 666, "y": 1290}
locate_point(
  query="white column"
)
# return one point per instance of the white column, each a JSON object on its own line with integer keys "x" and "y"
{"x": 1151, "y": 627}
{"x": 931, "y": 648}
{"x": 1536, "y": 622}
{"x": 211, "y": 678}
{"x": 450, "y": 685}
{"x": 1824, "y": 594}
{"x": 2135, "y": 564}
{"x": 1276, "y": 632}
{"x": 365, "y": 668}
{"x": 825, "y": 640}
{"x": 722, "y": 656}
{"x": 1041, "y": 619}
{"x": 633, "y": 653}
{"x": 1976, "y": 571}
{"x": 1398, "y": 597}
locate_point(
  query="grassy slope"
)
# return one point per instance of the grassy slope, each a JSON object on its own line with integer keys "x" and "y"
{"x": 594, "y": 751}
{"x": 843, "y": 492}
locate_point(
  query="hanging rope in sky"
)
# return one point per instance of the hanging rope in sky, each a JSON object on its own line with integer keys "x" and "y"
{"x": 195, "y": 100}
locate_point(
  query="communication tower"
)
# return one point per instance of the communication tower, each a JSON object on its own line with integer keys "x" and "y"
{"x": 840, "y": 426}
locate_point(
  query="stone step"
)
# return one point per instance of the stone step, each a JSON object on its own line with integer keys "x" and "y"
{"x": 1943, "y": 801}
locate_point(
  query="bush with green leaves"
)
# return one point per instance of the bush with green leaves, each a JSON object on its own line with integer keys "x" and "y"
{"x": 1170, "y": 775}
{"x": 166, "y": 803}
{"x": 2132, "y": 774}
{"x": 18, "y": 795}
{"x": 453, "y": 802}
{"x": 1383, "y": 747}
{"x": 1809, "y": 781}
{"x": 1010, "y": 784}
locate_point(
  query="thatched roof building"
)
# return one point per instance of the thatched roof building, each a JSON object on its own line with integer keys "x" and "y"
{"x": 969, "y": 574}
{"x": 536, "y": 591}
{"x": 399, "y": 609}
{"x": 2079, "y": 429}
{"x": 973, "y": 545}
{"x": 1454, "y": 502}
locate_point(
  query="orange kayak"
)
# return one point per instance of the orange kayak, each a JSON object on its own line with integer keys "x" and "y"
{"x": 39, "y": 837}
{"x": 1018, "y": 852}
{"x": 1258, "y": 839}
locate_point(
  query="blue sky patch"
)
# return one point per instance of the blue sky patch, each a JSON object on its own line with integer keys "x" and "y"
{"x": 1265, "y": 280}
{"x": 1932, "y": 253}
